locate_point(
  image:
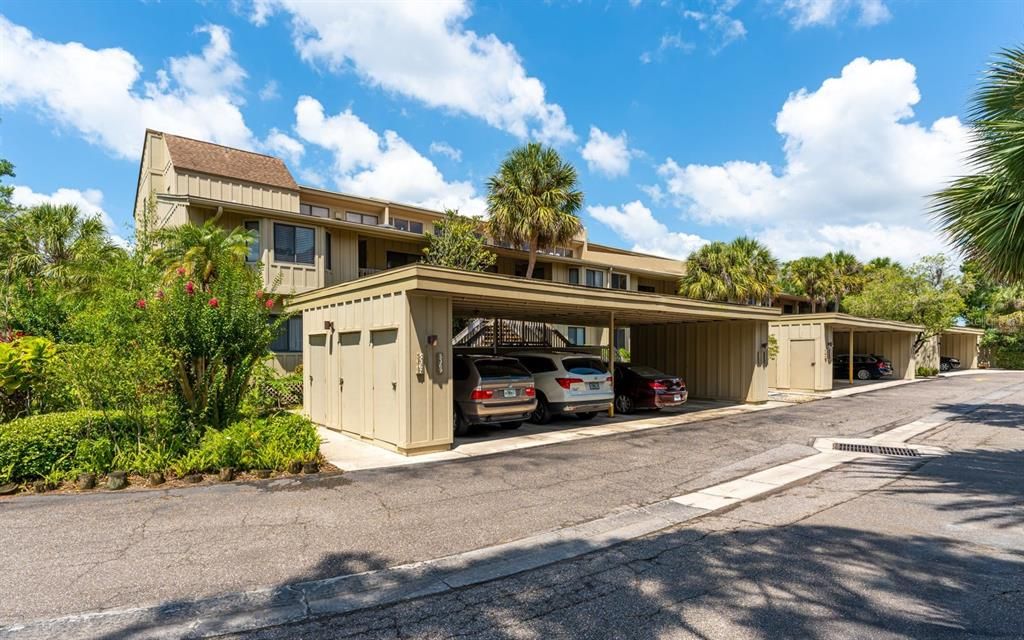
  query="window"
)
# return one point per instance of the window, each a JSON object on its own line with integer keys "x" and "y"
{"x": 584, "y": 366}
{"x": 620, "y": 338}
{"x": 500, "y": 368}
{"x": 313, "y": 210}
{"x": 361, "y": 218}
{"x": 294, "y": 244}
{"x": 646, "y": 288}
{"x": 399, "y": 259}
{"x": 620, "y": 281}
{"x": 595, "y": 278}
{"x": 574, "y": 275}
{"x": 289, "y": 337}
{"x": 537, "y": 364}
{"x": 577, "y": 335}
{"x": 362, "y": 254}
{"x": 538, "y": 271}
{"x": 328, "y": 250}
{"x": 407, "y": 225}
{"x": 253, "y": 226}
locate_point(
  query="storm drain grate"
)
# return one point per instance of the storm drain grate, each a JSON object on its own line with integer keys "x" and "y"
{"x": 875, "y": 449}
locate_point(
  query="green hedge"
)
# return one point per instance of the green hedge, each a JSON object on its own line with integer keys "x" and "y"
{"x": 34, "y": 446}
{"x": 256, "y": 443}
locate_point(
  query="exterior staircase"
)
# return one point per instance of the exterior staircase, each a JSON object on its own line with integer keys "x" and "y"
{"x": 497, "y": 333}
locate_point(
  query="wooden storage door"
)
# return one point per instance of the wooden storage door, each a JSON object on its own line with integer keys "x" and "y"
{"x": 317, "y": 372}
{"x": 384, "y": 347}
{"x": 351, "y": 384}
{"x": 802, "y": 364}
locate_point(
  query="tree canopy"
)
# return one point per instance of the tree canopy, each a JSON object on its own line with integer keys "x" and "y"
{"x": 743, "y": 270}
{"x": 456, "y": 242}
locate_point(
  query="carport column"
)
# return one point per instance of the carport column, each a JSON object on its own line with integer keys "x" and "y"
{"x": 851, "y": 356}
{"x": 611, "y": 361}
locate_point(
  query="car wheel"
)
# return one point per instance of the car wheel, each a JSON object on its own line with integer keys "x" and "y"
{"x": 542, "y": 414}
{"x": 624, "y": 404}
{"x": 586, "y": 415}
{"x": 461, "y": 426}
{"x": 944, "y": 366}
{"x": 863, "y": 374}
{"x": 512, "y": 425}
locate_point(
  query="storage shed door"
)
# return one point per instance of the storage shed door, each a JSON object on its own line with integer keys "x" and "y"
{"x": 317, "y": 369}
{"x": 384, "y": 345}
{"x": 802, "y": 363}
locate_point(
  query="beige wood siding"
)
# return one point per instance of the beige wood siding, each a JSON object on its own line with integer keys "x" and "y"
{"x": 898, "y": 347}
{"x": 780, "y": 367}
{"x": 236, "y": 192}
{"x": 964, "y": 347}
{"x": 721, "y": 360}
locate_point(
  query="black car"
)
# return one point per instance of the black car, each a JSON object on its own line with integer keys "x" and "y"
{"x": 639, "y": 387}
{"x": 948, "y": 363}
{"x": 865, "y": 366}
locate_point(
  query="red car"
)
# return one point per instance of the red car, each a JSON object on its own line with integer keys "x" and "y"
{"x": 640, "y": 387}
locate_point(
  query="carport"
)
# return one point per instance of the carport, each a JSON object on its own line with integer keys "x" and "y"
{"x": 961, "y": 343}
{"x": 805, "y": 346}
{"x": 377, "y": 350}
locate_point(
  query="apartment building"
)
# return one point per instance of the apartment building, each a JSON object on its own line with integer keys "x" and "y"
{"x": 310, "y": 238}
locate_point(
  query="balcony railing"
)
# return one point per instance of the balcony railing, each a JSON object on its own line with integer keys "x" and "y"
{"x": 368, "y": 271}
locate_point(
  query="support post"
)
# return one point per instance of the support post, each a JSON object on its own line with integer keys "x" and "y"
{"x": 611, "y": 360}
{"x": 851, "y": 357}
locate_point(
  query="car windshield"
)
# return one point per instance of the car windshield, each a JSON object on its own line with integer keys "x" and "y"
{"x": 501, "y": 368}
{"x": 584, "y": 366}
{"x": 647, "y": 372}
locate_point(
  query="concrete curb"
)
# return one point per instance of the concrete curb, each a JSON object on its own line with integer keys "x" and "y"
{"x": 249, "y": 610}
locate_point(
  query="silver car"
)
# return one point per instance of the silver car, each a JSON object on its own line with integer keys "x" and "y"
{"x": 491, "y": 390}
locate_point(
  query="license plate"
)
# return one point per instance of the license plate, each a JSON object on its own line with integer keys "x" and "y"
{"x": 510, "y": 393}
{"x": 677, "y": 398}
{"x": 594, "y": 386}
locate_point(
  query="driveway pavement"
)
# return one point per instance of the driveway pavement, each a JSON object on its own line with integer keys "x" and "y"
{"x": 878, "y": 548}
{"x": 91, "y": 552}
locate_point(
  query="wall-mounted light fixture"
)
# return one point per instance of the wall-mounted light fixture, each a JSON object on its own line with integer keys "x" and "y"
{"x": 329, "y": 325}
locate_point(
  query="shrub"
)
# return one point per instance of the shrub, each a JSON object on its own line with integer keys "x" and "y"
{"x": 27, "y": 381}
{"x": 35, "y": 446}
{"x": 927, "y": 372}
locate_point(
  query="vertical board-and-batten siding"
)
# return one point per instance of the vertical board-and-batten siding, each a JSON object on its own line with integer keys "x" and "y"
{"x": 963, "y": 347}
{"x": 424, "y": 402}
{"x": 718, "y": 359}
{"x": 780, "y": 367}
{"x": 236, "y": 191}
{"x": 897, "y": 346}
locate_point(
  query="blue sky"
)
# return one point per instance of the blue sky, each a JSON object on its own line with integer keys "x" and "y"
{"x": 811, "y": 124}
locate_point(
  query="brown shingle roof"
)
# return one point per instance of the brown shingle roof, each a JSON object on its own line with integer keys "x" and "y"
{"x": 214, "y": 159}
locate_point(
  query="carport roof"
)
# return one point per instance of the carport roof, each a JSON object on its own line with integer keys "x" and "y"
{"x": 489, "y": 295}
{"x": 846, "y": 322}
{"x": 967, "y": 331}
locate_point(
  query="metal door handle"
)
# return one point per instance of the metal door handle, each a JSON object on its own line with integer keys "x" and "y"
{"x": 394, "y": 384}
{"x": 341, "y": 382}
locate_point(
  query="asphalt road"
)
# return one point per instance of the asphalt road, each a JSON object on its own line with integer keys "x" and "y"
{"x": 92, "y": 552}
{"x": 881, "y": 548}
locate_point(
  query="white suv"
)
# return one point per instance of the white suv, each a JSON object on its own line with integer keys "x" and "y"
{"x": 567, "y": 383}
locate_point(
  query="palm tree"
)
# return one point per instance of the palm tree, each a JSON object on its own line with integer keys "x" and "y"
{"x": 983, "y": 213}
{"x": 200, "y": 249}
{"x": 814, "y": 278}
{"x": 533, "y": 201}
{"x": 846, "y": 275}
{"x": 743, "y": 270}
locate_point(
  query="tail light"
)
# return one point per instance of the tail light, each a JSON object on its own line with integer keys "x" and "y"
{"x": 481, "y": 394}
{"x": 530, "y": 392}
{"x": 567, "y": 383}
{"x": 608, "y": 379}
{"x": 656, "y": 386}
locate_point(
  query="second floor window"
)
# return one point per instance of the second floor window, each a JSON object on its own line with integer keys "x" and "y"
{"x": 328, "y": 250}
{"x": 574, "y": 275}
{"x": 411, "y": 226}
{"x": 619, "y": 281}
{"x": 253, "y": 227}
{"x": 313, "y": 210}
{"x": 361, "y": 218}
{"x": 577, "y": 335}
{"x": 595, "y": 278}
{"x": 294, "y": 244}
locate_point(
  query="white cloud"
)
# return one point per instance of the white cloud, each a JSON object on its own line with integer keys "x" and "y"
{"x": 667, "y": 43}
{"x": 719, "y": 24}
{"x": 424, "y": 51}
{"x": 866, "y": 241}
{"x": 445, "y": 149}
{"x": 809, "y": 13}
{"x": 269, "y": 91}
{"x": 97, "y": 92}
{"x": 607, "y": 154}
{"x": 635, "y": 223}
{"x": 854, "y": 157}
{"x": 89, "y": 202}
{"x": 283, "y": 145}
{"x": 383, "y": 166}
